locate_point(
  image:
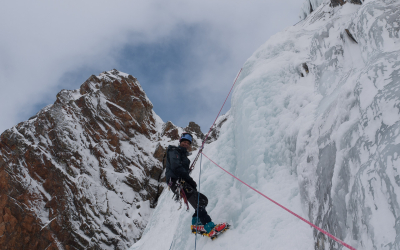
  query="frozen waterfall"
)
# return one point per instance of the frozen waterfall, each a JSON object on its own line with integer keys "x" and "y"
{"x": 314, "y": 125}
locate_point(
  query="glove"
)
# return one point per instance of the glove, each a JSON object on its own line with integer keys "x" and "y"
{"x": 192, "y": 183}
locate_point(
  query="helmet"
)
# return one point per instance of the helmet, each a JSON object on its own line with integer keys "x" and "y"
{"x": 186, "y": 137}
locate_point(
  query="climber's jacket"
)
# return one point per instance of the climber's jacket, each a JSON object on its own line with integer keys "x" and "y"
{"x": 177, "y": 165}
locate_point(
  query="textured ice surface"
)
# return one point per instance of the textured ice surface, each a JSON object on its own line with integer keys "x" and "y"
{"x": 315, "y": 125}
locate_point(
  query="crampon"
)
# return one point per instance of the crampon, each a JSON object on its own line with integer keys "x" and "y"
{"x": 218, "y": 230}
{"x": 199, "y": 229}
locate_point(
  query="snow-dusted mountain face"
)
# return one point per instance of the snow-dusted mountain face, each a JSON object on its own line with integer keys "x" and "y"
{"x": 315, "y": 125}
{"x": 85, "y": 172}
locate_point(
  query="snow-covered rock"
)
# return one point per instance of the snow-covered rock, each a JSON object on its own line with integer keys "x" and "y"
{"x": 311, "y": 5}
{"x": 85, "y": 172}
{"x": 315, "y": 125}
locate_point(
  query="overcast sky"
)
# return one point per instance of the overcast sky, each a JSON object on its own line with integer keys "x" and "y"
{"x": 185, "y": 53}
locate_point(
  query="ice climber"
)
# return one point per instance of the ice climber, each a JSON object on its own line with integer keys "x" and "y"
{"x": 184, "y": 187}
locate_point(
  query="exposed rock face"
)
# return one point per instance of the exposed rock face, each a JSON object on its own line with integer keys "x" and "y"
{"x": 84, "y": 172}
{"x": 310, "y": 6}
{"x": 356, "y": 1}
{"x": 335, "y": 3}
{"x": 214, "y": 134}
{"x": 194, "y": 129}
{"x": 159, "y": 153}
{"x": 170, "y": 131}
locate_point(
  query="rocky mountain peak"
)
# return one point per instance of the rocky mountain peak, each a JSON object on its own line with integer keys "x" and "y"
{"x": 84, "y": 172}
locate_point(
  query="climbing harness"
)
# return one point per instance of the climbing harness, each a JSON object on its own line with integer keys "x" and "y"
{"x": 209, "y": 131}
{"x": 276, "y": 203}
{"x": 179, "y": 193}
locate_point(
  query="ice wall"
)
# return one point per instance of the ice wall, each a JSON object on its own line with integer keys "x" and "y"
{"x": 347, "y": 163}
{"x": 315, "y": 125}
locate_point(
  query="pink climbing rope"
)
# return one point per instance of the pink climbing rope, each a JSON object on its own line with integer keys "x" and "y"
{"x": 298, "y": 216}
{"x": 204, "y": 141}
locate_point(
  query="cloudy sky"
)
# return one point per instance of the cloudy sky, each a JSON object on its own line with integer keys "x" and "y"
{"x": 185, "y": 53}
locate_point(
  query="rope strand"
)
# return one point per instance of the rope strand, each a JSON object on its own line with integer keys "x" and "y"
{"x": 198, "y": 202}
{"x": 276, "y": 203}
{"x": 204, "y": 141}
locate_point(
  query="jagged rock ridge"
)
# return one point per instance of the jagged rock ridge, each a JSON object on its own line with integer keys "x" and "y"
{"x": 85, "y": 172}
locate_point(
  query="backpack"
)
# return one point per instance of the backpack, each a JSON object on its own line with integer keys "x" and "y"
{"x": 166, "y": 159}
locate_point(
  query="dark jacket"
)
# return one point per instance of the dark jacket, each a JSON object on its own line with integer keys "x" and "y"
{"x": 177, "y": 164}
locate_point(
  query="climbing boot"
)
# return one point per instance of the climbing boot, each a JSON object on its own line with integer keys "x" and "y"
{"x": 217, "y": 229}
{"x": 197, "y": 227}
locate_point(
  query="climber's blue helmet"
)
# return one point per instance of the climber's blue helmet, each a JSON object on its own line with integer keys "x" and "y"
{"x": 186, "y": 137}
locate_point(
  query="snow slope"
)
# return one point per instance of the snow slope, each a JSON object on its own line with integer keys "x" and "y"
{"x": 314, "y": 125}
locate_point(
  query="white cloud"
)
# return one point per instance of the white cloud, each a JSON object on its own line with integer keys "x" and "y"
{"x": 42, "y": 40}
